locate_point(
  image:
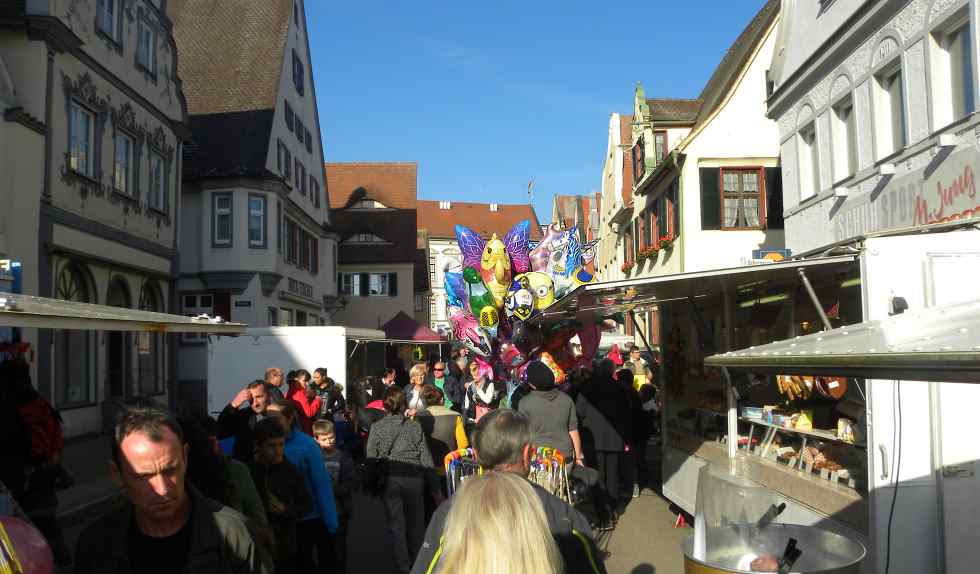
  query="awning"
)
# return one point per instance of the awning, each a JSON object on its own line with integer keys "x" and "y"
{"x": 401, "y": 327}
{"x": 38, "y": 312}
{"x": 936, "y": 344}
{"x": 604, "y": 299}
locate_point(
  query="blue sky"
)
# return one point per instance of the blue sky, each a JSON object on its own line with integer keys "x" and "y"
{"x": 485, "y": 96}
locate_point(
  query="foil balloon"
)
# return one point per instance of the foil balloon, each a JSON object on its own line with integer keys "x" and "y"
{"x": 489, "y": 319}
{"x": 588, "y": 256}
{"x": 550, "y": 362}
{"x": 466, "y": 329}
{"x": 541, "y": 253}
{"x": 495, "y": 269}
{"x": 566, "y": 254}
{"x": 477, "y": 294}
{"x": 541, "y": 287}
{"x": 511, "y": 356}
{"x": 496, "y": 259}
{"x": 519, "y": 302}
{"x": 455, "y": 290}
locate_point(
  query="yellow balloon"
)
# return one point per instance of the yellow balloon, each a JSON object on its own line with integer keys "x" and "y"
{"x": 489, "y": 316}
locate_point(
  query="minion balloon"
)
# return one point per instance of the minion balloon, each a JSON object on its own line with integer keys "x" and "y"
{"x": 541, "y": 286}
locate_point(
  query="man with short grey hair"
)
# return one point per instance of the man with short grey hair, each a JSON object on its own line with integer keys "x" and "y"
{"x": 502, "y": 443}
{"x": 165, "y": 526}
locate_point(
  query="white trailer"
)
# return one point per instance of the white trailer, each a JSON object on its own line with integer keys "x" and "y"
{"x": 233, "y": 362}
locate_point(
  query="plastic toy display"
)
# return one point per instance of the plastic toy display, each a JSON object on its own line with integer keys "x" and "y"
{"x": 505, "y": 282}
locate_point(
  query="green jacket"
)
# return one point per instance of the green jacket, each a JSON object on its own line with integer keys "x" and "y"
{"x": 221, "y": 542}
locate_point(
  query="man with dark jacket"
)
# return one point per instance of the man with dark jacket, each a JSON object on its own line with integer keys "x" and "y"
{"x": 238, "y": 422}
{"x": 604, "y": 409}
{"x": 502, "y": 442}
{"x": 164, "y": 526}
{"x": 450, "y": 386}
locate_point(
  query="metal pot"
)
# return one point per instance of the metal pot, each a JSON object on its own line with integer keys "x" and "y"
{"x": 824, "y": 552}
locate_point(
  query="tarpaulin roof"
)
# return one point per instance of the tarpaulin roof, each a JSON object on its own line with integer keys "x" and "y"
{"x": 934, "y": 344}
{"x": 401, "y": 327}
{"x": 42, "y": 313}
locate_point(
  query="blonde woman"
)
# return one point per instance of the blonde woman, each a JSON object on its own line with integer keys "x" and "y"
{"x": 413, "y": 392}
{"x": 490, "y": 508}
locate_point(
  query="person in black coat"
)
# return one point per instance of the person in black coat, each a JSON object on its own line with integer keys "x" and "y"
{"x": 604, "y": 409}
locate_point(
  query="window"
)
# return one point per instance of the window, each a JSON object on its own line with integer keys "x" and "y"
{"x": 296, "y": 13}
{"x": 81, "y": 146}
{"x": 638, "y": 153}
{"x": 809, "y": 163}
{"x": 315, "y": 192}
{"x": 106, "y": 18}
{"x": 844, "y": 138}
{"x": 299, "y": 177}
{"x": 289, "y": 116}
{"x": 298, "y": 130}
{"x": 302, "y": 247}
{"x": 368, "y": 284}
{"x": 366, "y": 238}
{"x": 660, "y": 143}
{"x": 298, "y": 73}
{"x": 628, "y": 250}
{"x": 221, "y": 220}
{"x": 309, "y": 141}
{"x": 741, "y": 192}
{"x": 648, "y": 220}
{"x": 158, "y": 187}
{"x": 889, "y": 111}
{"x": 285, "y": 161}
{"x": 149, "y": 346}
{"x": 256, "y": 221}
{"x": 122, "y": 174}
{"x": 146, "y": 54}
{"x": 952, "y": 72}
{"x": 73, "y": 349}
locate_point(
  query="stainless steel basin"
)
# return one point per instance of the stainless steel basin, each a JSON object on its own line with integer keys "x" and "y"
{"x": 731, "y": 549}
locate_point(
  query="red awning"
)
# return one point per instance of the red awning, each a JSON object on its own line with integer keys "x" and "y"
{"x": 401, "y": 327}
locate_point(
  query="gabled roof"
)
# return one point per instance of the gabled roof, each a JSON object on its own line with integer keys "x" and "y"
{"x": 230, "y": 52}
{"x": 670, "y": 110}
{"x": 393, "y": 184}
{"x": 441, "y": 223}
{"x": 396, "y": 226}
{"x": 735, "y": 59}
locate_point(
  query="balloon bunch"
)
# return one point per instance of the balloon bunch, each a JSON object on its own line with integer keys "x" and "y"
{"x": 505, "y": 282}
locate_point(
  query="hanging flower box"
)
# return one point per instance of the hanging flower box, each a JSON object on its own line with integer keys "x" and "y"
{"x": 666, "y": 241}
{"x": 628, "y": 266}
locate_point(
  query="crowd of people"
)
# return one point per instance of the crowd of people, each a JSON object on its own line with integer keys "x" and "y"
{"x": 269, "y": 486}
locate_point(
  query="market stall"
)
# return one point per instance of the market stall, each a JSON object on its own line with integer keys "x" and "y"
{"x": 705, "y": 312}
{"x": 931, "y": 345}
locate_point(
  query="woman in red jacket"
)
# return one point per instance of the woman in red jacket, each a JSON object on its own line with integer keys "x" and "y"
{"x": 303, "y": 396}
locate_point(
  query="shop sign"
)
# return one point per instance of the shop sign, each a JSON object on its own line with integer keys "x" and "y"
{"x": 766, "y": 256}
{"x": 243, "y": 303}
{"x": 914, "y": 200}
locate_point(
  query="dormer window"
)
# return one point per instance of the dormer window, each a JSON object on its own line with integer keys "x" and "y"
{"x": 493, "y": 207}
{"x": 446, "y": 205}
{"x": 365, "y": 239}
{"x": 368, "y": 204}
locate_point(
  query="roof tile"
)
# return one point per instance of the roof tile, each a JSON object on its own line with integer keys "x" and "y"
{"x": 393, "y": 184}
{"x": 441, "y": 224}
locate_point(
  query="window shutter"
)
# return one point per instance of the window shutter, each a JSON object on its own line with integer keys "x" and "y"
{"x": 392, "y": 284}
{"x": 710, "y": 198}
{"x": 365, "y": 283}
{"x": 774, "y": 198}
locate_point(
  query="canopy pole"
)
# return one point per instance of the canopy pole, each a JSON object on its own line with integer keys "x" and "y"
{"x": 814, "y": 299}
{"x": 732, "y": 418}
{"x": 640, "y": 331}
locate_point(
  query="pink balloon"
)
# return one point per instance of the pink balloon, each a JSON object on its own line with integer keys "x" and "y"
{"x": 29, "y": 546}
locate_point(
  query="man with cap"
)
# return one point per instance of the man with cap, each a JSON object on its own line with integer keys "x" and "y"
{"x": 551, "y": 414}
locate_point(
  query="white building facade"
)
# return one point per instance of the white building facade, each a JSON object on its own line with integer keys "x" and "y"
{"x": 258, "y": 247}
{"x": 90, "y": 148}
{"x": 876, "y": 107}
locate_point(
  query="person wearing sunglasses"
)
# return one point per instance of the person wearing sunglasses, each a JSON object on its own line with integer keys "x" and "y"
{"x": 451, "y": 387}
